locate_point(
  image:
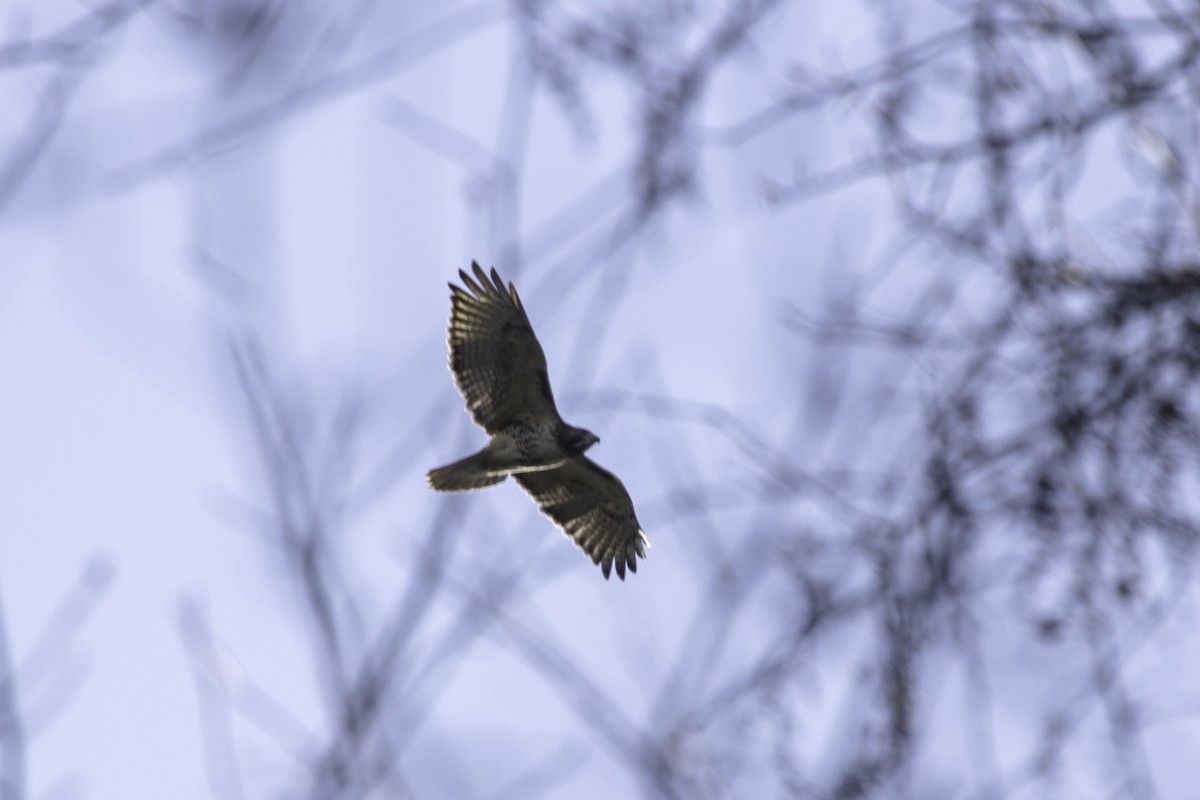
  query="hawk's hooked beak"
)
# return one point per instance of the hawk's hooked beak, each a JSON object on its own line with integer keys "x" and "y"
{"x": 582, "y": 440}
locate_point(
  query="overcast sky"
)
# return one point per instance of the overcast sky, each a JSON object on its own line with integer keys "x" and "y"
{"x": 294, "y": 200}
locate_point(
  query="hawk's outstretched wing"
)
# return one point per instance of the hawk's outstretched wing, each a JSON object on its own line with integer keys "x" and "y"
{"x": 495, "y": 358}
{"x": 591, "y": 506}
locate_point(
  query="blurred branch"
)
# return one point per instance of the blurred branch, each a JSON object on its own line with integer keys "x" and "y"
{"x": 12, "y": 731}
{"x": 777, "y": 465}
{"x": 73, "y": 39}
{"x": 74, "y": 52}
{"x": 23, "y": 714}
{"x": 297, "y": 503}
{"x": 380, "y": 67}
{"x": 1019, "y": 420}
{"x": 212, "y": 690}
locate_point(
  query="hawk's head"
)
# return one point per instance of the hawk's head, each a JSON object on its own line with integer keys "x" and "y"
{"x": 576, "y": 440}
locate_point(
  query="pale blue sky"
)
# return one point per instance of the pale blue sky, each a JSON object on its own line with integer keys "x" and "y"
{"x": 330, "y": 237}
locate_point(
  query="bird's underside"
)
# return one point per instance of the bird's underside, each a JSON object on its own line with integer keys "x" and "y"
{"x": 501, "y": 457}
{"x": 500, "y": 370}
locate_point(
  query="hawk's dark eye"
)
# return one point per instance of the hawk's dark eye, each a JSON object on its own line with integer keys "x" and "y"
{"x": 577, "y": 440}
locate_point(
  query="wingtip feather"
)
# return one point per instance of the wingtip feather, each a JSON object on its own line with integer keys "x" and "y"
{"x": 469, "y": 283}
{"x": 482, "y": 276}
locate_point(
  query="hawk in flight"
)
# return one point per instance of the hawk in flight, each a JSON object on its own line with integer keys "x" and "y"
{"x": 500, "y": 370}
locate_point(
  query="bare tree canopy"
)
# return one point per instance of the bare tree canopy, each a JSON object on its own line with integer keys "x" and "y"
{"x": 890, "y": 311}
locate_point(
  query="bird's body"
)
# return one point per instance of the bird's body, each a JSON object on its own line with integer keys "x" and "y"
{"x": 525, "y": 446}
{"x": 500, "y": 370}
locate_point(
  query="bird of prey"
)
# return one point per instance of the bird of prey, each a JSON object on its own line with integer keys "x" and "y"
{"x": 500, "y": 370}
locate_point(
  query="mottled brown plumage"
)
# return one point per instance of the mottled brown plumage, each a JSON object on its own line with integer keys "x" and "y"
{"x": 495, "y": 358}
{"x": 500, "y": 369}
{"x": 592, "y": 507}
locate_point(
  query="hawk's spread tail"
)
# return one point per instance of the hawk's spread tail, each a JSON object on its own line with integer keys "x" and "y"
{"x": 464, "y": 475}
